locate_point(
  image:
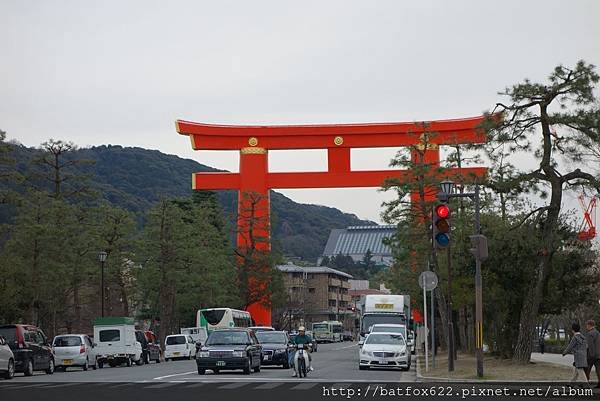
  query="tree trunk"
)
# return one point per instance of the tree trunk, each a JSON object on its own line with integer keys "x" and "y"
{"x": 462, "y": 329}
{"x": 470, "y": 328}
{"x": 531, "y": 303}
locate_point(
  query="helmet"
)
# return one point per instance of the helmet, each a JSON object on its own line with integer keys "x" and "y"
{"x": 301, "y": 328}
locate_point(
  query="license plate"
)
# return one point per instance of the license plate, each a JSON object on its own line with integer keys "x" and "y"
{"x": 67, "y": 361}
{"x": 220, "y": 363}
{"x": 176, "y": 353}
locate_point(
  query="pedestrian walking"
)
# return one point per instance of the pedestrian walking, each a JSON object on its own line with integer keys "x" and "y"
{"x": 542, "y": 343}
{"x": 578, "y": 346}
{"x": 592, "y": 337}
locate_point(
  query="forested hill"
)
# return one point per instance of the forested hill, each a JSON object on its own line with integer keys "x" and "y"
{"x": 135, "y": 178}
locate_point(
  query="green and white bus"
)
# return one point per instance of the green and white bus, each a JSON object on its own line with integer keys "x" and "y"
{"x": 329, "y": 330}
{"x": 222, "y": 318}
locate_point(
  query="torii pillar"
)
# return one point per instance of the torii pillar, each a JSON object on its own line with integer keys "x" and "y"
{"x": 254, "y": 142}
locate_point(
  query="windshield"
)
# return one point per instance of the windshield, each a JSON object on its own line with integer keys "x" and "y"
{"x": 213, "y": 316}
{"x": 228, "y": 338}
{"x": 321, "y": 327}
{"x": 67, "y": 341}
{"x": 9, "y": 334}
{"x": 387, "y": 339}
{"x": 110, "y": 335}
{"x": 376, "y": 318}
{"x": 388, "y": 329}
{"x": 176, "y": 340}
{"x": 271, "y": 337}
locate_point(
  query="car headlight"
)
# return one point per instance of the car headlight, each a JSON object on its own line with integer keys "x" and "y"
{"x": 203, "y": 354}
{"x": 239, "y": 354}
{"x": 369, "y": 353}
{"x": 401, "y": 353}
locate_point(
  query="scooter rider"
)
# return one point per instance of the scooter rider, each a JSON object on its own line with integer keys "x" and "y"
{"x": 303, "y": 338}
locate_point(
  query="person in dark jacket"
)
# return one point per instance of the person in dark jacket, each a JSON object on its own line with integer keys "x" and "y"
{"x": 542, "y": 343}
{"x": 592, "y": 337}
{"x": 578, "y": 346}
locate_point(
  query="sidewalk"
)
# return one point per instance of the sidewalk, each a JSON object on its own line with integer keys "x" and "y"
{"x": 557, "y": 359}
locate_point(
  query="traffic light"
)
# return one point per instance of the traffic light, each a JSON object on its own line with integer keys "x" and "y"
{"x": 441, "y": 226}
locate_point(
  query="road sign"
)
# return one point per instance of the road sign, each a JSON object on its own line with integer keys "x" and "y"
{"x": 428, "y": 280}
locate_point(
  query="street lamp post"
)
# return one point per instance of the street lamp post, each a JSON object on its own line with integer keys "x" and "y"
{"x": 102, "y": 258}
{"x": 479, "y": 241}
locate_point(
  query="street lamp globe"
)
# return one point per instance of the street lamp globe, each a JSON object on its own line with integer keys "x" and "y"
{"x": 102, "y": 256}
{"x": 447, "y": 186}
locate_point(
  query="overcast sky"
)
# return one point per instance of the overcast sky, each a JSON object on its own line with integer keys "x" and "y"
{"x": 120, "y": 72}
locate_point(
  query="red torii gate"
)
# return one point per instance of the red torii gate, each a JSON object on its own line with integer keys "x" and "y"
{"x": 254, "y": 142}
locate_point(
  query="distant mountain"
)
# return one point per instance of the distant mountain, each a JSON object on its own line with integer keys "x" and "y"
{"x": 136, "y": 178}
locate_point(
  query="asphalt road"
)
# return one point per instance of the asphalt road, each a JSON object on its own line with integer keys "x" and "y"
{"x": 333, "y": 363}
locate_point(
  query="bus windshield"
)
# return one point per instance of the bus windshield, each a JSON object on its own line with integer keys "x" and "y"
{"x": 320, "y": 327}
{"x": 213, "y": 316}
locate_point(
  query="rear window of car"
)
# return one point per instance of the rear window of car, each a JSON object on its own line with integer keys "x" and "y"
{"x": 9, "y": 333}
{"x": 67, "y": 341}
{"x": 176, "y": 340}
{"x": 110, "y": 335}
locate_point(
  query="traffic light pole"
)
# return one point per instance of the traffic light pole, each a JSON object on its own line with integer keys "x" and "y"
{"x": 480, "y": 253}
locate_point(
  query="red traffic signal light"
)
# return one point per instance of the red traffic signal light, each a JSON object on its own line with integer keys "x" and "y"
{"x": 441, "y": 226}
{"x": 442, "y": 211}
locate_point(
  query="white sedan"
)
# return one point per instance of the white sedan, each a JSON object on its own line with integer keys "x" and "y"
{"x": 384, "y": 350}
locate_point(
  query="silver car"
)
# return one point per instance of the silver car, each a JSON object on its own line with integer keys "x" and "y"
{"x": 7, "y": 360}
{"x": 74, "y": 350}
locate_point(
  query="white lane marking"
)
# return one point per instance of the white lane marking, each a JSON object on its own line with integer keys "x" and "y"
{"x": 176, "y": 374}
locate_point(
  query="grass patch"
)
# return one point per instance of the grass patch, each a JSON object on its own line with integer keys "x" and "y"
{"x": 465, "y": 367}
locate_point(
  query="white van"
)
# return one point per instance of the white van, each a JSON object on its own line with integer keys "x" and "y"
{"x": 179, "y": 346}
{"x": 116, "y": 342}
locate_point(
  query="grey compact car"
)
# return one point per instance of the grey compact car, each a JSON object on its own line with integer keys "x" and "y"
{"x": 7, "y": 360}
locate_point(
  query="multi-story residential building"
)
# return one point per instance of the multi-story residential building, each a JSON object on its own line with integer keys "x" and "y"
{"x": 315, "y": 294}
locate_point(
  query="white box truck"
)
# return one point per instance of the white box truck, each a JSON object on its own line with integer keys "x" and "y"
{"x": 383, "y": 308}
{"x": 115, "y": 341}
{"x": 199, "y": 334}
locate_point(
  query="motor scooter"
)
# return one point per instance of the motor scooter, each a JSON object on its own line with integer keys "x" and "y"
{"x": 301, "y": 360}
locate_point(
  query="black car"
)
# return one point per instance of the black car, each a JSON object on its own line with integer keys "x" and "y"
{"x": 30, "y": 346}
{"x": 230, "y": 349}
{"x": 275, "y": 345}
{"x": 150, "y": 350}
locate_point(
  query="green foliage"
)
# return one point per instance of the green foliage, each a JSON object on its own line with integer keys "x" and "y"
{"x": 135, "y": 179}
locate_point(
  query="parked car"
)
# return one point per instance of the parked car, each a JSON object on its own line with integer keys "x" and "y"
{"x": 384, "y": 350}
{"x": 275, "y": 348}
{"x": 7, "y": 360}
{"x": 75, "y": 350}
{"x": 179, "y": 346}
{"x": 150, "y": 346}
{"x": 30, "y": 347}
{"x": 230, "y": 349}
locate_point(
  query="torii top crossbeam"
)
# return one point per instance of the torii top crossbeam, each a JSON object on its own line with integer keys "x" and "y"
{"x": 338, "y": 139}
